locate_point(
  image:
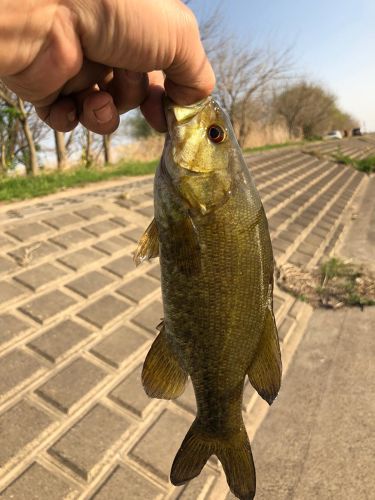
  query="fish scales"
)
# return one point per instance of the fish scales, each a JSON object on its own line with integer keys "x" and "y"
{"x": 217, "y": 277}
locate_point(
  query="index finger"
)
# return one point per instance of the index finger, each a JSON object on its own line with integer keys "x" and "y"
{"x": 190, "y": 77}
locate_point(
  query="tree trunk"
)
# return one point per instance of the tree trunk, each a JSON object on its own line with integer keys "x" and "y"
{"x": 107, "y": 149}
{"x": 32, "y": 166}
{"x": 88, "y": 159}
{"x": 3, "y": 167}
{"x": 60, "y": 149}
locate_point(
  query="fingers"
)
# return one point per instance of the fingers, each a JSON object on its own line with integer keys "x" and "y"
{"x": 128, "y": 88}
{"x": 62, "y": 115}
{"x": 99, "y": 113}
{"x": 97, "y": 110}
{"x": 190, "y": 77}
{"x": 152, "y": 107}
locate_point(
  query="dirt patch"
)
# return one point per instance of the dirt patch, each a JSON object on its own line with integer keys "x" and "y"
{"x": 335, "y": 284}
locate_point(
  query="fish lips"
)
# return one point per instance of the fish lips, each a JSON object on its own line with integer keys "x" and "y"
{"x": 177, "y": 114}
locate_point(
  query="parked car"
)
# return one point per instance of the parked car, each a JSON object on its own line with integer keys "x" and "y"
{"x": 356, "y": 131}
{"x": 334, "y": 134}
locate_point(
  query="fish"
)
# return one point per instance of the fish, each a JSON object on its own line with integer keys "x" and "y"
{"x": 211, "y": 234}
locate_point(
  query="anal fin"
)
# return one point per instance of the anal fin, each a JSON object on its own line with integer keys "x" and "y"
{"x": 266, "y": 368}
{"x": 162, "y": 375}
{"x": 148, "y": 245}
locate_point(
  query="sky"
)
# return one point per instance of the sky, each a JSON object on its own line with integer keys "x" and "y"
{"x": 332, "y": 42}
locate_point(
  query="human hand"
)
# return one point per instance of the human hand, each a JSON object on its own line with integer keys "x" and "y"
{"x": 89, "y": 61}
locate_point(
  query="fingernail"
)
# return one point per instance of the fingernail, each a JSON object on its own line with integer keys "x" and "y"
{"x": 72, "y": 116}
{"x": 134, "y": 76}
{"x": 104, "y": 114}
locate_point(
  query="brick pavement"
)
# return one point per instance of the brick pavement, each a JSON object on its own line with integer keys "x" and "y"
{"x": 77, "y": 319}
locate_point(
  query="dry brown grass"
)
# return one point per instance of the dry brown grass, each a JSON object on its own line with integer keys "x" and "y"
{"x": 335, "y": 284}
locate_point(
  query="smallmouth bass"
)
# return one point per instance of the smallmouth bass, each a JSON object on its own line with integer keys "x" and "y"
{"x": 211, "y": 234}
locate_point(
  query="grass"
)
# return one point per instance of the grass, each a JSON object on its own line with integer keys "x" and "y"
{"x": 274, "y": 146}
{"x": 366, "y": 165}
{"x": 334, "y": 284}
{"x": 345, "y": 283}
{"x": 21, "y": 188}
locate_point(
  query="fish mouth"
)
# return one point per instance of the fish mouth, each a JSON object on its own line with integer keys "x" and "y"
{"x": 177, "y": 115}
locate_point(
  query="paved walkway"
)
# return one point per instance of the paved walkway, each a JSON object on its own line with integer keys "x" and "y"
{"x": 76, "y": 320}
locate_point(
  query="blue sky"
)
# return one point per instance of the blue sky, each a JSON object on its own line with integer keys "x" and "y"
{"x": 333, "y": 42}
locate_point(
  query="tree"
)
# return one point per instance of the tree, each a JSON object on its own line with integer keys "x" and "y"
{"x": 245, "y": 76}
{"x": 137, "y": 126}
{"x": 21, "y": 130}
{"x": 60, "y": 147}
{"x": 107, "y": 149}
{"x": 309, "y": 110}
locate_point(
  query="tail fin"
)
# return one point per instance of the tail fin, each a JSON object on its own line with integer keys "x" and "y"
{"x": 234, "y": 453}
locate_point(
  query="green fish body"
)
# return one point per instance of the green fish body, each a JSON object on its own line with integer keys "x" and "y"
{"x": 211, "y": 234}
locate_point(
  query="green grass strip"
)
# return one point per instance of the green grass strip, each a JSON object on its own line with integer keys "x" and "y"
{"x": 21, "y": 188}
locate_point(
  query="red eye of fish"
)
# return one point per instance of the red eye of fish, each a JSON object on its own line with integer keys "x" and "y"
{"x": 216, "y": 134}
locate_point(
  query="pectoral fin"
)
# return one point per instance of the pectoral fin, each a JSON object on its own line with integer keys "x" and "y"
{"x": 186, "y": 246}
{"x": 265, "y": 370}
{"x": 148, "y": 245}
{"x": 162, "y": 375}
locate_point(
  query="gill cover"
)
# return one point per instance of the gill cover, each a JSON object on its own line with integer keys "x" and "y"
{"x": 199, "y": 155}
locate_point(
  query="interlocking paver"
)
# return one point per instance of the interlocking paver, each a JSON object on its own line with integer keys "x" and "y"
{"x": 292, "y": 182}
{"x": 104, "y": 310}
{"x": 307, "y": 248}
{"x": 24, "y": 232}
{"x": 90, "y": 283}
{"x": 117, "y": 347}
{"x": 150, "y": 316}
{"x": 80, "y": 258}
{"x": 102, "y": 227}
{"x": 16, "y": 368}
{"x": 62, "y": 220}
{"x": 70, "y": 385}
{"x": 4, "y": 242}
{"x": 155, "y": 272}
{"x": 23, "y": 423}
{"x": 89, "y": 441}
{"x": 71, "y": 238}
{"x": 138, "y": 288}
{"x": 198, "y": 486}
{"x": 11, "y": 327}
{"x": 91, "y": 212}
{"x": 131, "y": 395}
{"x": 38, "y": 483}
{"x": 125, "y": 482}
{"x": 285, "y": 327}
{"x": 112, "y": 245}
{"x": 120, "y": 221}
{"x": 59, "y": 340}
{"x": 299, "y": 259}
{"x": 121, "y": 267}
{"x": 6, "y": 265}
{"x": 147, "y": 211}
{"x": 134, "y": 234}
{"x": 9, "y": 291}
{"x": 31, "y": 253}
{"x": 48, "y": 305}
{"x": 39, "y": 276}
{"x": 147, "y": 450}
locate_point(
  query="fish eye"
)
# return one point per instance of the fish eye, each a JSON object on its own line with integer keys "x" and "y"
{"x": 215, "y": 133}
